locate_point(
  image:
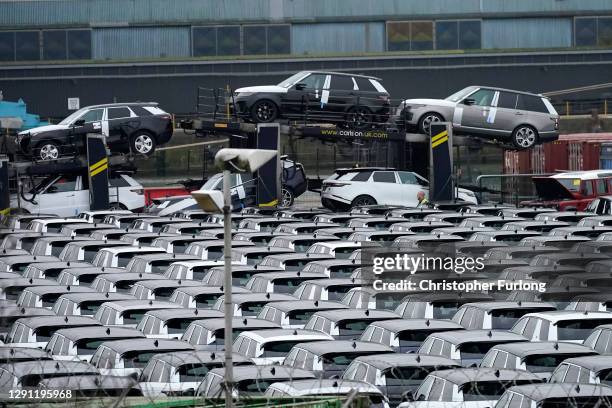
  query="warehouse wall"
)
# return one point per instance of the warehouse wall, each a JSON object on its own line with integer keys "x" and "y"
{"x": 527, "y": 33}
{"x": 330, "y": 38}
{"x": 84, "y": 12}
{"x": 141, "y": 42}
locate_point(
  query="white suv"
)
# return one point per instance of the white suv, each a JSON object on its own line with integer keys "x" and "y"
{"x": 68, "y": 195}
{"x": 367, "y": 186}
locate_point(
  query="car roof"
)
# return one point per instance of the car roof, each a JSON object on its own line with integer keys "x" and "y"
{"x": 198, "y": 290}
{"x": 343, "y": 73}
{"x": 121, "y": 305}
{"x": 89, "y": 382}
{"x": 54, "y": 289}
{"x": 583, "y": 175}
{"x": 490, "y": 306}
{"x": 264, "y": 335}
{"x": 166, "y": 314}
{"x": 99, "y": 332}
{"x": 397, "y": 325}
{"x": 465, "y": 375}
{"x": 543, "y": 347}
{"x": 337, "y": 315}
{"x": 21, "y": 368}
{"x": 179, "y": 358}
{"x": 555, "y": 316}
{"x": 288, "y": 306}
{"x": 324, "y": 386}
{"x": 338, "y": 346}
{"x": 114, "y": 105}
{"x": 41, "y": 321}
{"x": 16, "y": 353}
{"x": 167, "y": 283}
{"x": 108, "y": 296}
{"x": 466, "y": 336}
{"x": 539, "y": 392}
{"x": 594, "y": 363}
{"x": 384, "y": 361}
{"x": 126, "y": 345}
{"x": 237, "y": 322}
{"x": 264, "y": 372}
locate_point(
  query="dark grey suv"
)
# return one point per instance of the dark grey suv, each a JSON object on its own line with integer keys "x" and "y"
{"x": 522, "y": 118}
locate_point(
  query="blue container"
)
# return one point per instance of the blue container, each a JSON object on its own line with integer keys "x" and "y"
{"x": 19, "y": 110}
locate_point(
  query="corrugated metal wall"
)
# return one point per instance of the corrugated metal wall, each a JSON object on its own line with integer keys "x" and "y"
{"x": 527, "y": 33}
{"x": 83, "y": 12}
{"x": 330, "y": 38}
{"x": 141, "y": 42}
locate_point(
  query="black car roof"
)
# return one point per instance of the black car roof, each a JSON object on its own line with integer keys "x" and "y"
{"x": 114, "y": 105}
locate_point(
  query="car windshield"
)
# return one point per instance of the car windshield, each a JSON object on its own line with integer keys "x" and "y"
{"x": 292, "y": 80}
{"x": 71, "y": 118}
{"x": 210, "y": 184}
{"x": 457, "y": 96}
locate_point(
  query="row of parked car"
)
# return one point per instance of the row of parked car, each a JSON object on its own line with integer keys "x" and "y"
{"x": 121, "y": 304}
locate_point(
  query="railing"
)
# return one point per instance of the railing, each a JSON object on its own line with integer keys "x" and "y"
{"x": 583, "y": 107}
{"x": 512, "y": 188}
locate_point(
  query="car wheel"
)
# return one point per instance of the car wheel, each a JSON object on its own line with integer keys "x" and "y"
{"x": 286, "y": 197}
{"x": 359, "y": 117}
{"x": 143, "y": 143}
{"x": 426, "y": 121}
{"x": 264, "y": 111}
{"x": 116, "y": 207}
{"x": 48, "y": 151}
{"x": 524, "y": 137}
{"x": 363, "y": 200}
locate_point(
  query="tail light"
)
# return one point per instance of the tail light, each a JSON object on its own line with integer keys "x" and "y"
{"x": 139, "y": 191}
{"x": 336, "y": 184}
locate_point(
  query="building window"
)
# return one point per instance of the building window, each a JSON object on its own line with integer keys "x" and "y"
{"x": 228, "y": 40}
{"x": 409, "y": 35}
{"x": 54, "y": 45}
{"x": 27, "y": 46}
{"x": 255, "y": 40}
{"x": 7, "y": 46}
{"x": 593, "y": 31}
{"x": 458, "y": 35}
{"x": 398, "y": 36}
{"x": 79, "y": 44}
{"x": 421, "y": 35}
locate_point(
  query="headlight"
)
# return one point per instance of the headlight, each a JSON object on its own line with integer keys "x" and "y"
{"x": 409, "y": 107}
{"x": 243, "y": 93}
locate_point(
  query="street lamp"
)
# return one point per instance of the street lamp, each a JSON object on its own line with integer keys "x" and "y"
{"x": 236, "y": 160}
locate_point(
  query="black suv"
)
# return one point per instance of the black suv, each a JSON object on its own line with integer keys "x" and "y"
{"x": 356, "y": 101}
{"x": 135, "y": 127}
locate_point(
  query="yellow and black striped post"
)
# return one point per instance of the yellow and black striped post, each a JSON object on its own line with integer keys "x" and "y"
{"x": 441, "y": 163}
{"x": 97, "y": 166}
{"x": 5, "y": 196}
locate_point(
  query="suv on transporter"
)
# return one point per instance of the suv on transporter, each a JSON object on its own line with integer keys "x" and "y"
{"x": 358, "y": 101}
{"x": 524, "y": 119}
{"x": 128, "y": 127}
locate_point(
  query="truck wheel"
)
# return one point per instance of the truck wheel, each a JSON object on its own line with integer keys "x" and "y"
{"x": 48, "y": 151}
{"x": 143, "y": 143}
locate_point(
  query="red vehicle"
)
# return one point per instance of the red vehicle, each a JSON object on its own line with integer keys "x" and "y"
{"x": 572, "y": 190}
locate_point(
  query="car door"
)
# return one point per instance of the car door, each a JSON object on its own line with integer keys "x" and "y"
{"x": 88, "y": 122}
{"x": 384, "y": 188}
{"x": 307, "y": 92}
{"x": 341, "y": 95}
{"x": 116, "y": 124}
{"x": 409, "y": 186}
{"x": 81, "y": 194}
{"x": 503, "y": 117}
{"x": 59, "y": 197}
{"x": 477, "y": 108}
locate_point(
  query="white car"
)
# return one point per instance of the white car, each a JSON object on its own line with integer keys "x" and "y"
{"x": 68, "y": 195}
{"x": 368, "y": 186}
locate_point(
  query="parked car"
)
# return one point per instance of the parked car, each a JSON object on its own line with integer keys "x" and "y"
{"x": 334, "y": 97}
{"x": 557, "y": 395}
{"x": 353, "y": 187}
{"x": 68, "y": 195}
{"x": 524, "y": 119}
{"x": 135, "y": 127}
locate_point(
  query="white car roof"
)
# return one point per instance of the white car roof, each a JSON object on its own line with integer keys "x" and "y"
{"x": 267, "y": 335}
{"x": 559, "y": 315}
{"x": 135, "y": 249}
{"x": 583, "y": 175}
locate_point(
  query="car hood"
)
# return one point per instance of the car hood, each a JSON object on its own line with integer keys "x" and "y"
{"x": 41, "y": 129}
{"x": 262, "y": 89}
{"x": 432, "y": 102}
{"x": 549, "y": 188}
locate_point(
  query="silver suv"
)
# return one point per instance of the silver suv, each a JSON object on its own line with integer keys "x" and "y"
{"x": 522, "y": 118}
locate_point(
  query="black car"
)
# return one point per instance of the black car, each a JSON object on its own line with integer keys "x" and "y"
{"x": 135, "y": 127}
{"x": 355, "y": 100}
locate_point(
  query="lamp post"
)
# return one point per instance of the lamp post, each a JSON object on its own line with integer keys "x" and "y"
{"x": 240, "y": 160}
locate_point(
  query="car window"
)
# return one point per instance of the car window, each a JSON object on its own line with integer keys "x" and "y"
{"x": 94, "y": 115}
{"x": 342, "y": 82}
{"x": 314, "y": 81}
{"x": 531, "y": 103}
{"x": 362, "y": 176}
{"x": 600, "y": 186}
{"x": 384, "y": 177}
{"x": 407, "y": 177}
{"x": 483, "y": 97}
{"x": 63, "y": 185}
{"x": 587, "y": 188}
{"x": 118, "y": 113}
{"x": 118, "y": 182}
{"x": 507, "y": 100}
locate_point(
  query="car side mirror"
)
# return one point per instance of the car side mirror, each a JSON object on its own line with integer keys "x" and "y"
{"x": 300, "y": 86}
{"x": 469, "y": 101}
{"x": 79, "y": 122}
